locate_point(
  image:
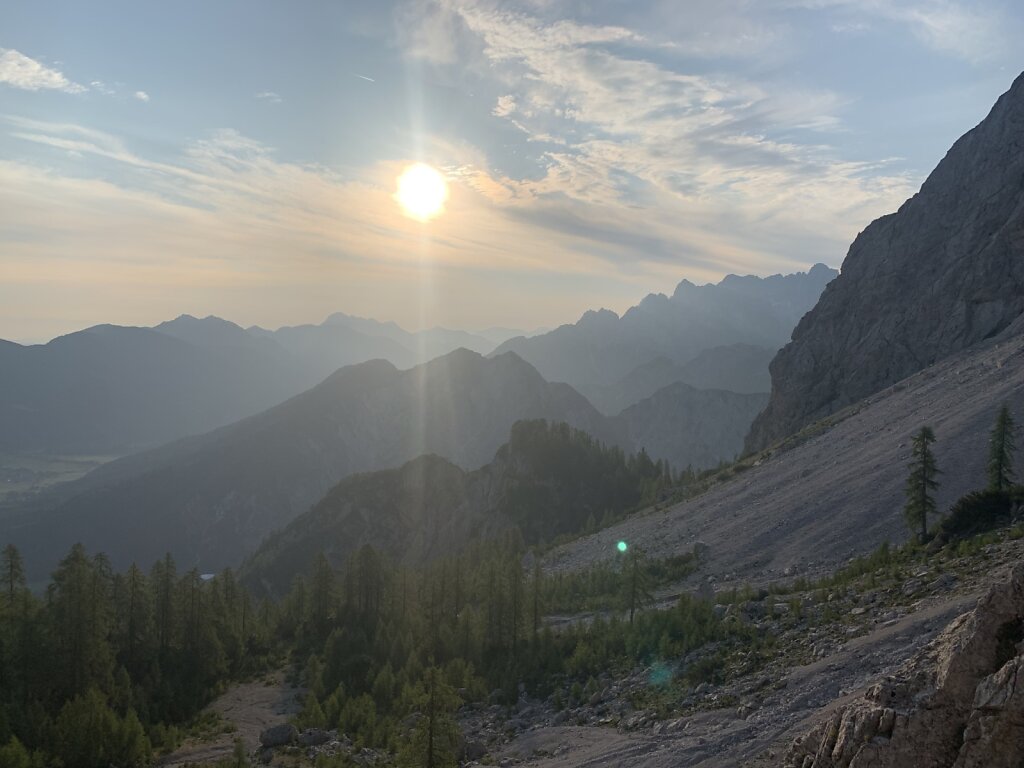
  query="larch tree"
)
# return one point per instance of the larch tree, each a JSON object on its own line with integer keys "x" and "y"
{"x": 637, "y": 593}
{"x": 1002, "y": 446}
{"x": 13, "y": 573}
{"x": 433, "y": 741}
{"x": 921, "y": 483}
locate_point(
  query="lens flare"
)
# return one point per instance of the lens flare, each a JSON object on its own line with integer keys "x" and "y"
{"x": 422, "y": 192}
{"x": 622, "y": 546}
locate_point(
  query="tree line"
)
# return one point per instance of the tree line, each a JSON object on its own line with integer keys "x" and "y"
{"x": 105, "y": 668}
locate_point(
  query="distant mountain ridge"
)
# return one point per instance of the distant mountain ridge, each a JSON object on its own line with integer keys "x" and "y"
{"x": 114, "y": 390}
{"x": 740, "y": 368}
{"x": 602, "y": 349}
{"x": 943, "y": 273}
{"x": 211, "y": 498}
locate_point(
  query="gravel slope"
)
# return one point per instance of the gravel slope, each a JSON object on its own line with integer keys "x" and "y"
{"x": 840, "y": 493}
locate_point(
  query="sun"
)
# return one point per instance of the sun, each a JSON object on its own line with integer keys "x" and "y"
{"x": 422, "y": 192}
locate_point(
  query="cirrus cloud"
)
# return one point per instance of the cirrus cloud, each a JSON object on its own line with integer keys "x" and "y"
{"x": 20, "y": 71}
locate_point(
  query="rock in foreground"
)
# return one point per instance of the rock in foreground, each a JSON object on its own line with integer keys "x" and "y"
{"x": 955, "y": 705}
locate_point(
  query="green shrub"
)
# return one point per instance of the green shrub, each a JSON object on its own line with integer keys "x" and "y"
{"x": 977, "y": 512}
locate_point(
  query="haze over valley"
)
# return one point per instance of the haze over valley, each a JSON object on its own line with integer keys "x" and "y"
{"x": 456, "y": 383}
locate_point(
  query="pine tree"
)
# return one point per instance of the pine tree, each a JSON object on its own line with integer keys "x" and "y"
{"x": 14, "y": 755}
{"x": 536, "y": 584}
{"x": 1001, "y": 449}
{"x": 162, "y": 578}
{"x": 79, "y": 612}
{"x": 133, "y": 619}
{"x": 433, "y": 742}
{"x": 637, "y": 593}
{"x": 921, "y": 482}
{"x": 322, "y": 598}
{"x": 13, "y": 574}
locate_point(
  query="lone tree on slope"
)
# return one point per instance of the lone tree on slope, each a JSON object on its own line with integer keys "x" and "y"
{"x": 1000, "y": 452}
{"x": 636, "y": 587}
{"x": 921, "y": 483}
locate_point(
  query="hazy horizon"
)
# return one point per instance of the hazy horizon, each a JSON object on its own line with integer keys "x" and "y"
{"x": 303, "y": 319}
{"x": 242, "y": 160}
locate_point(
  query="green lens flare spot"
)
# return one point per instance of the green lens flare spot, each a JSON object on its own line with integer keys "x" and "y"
{"x": 622, "y": 546}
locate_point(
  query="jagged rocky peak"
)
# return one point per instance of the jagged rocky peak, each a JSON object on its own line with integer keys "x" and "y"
{"x": 943, "y": 273}
{"x": 598, "y": 317}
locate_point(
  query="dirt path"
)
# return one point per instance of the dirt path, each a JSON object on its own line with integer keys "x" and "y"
{"x": 721, "y": 738}
{"x": 250, "y": 707}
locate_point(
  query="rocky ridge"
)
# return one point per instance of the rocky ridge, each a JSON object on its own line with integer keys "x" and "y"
{"x": 596, "y": 353}
{"x": 941, "y": 274}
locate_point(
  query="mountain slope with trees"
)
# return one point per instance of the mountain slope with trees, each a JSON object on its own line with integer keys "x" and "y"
{"x": 210, "y": 499}
{"x": 548, "y": 480}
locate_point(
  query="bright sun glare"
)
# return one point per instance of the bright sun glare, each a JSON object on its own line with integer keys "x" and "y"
{"x": 422, "y": 192}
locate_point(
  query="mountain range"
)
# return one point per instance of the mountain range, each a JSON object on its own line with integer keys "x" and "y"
{"x": 601, "y": 353}
{"x": 113, "y": 390}
{"x": 110, "y": 390}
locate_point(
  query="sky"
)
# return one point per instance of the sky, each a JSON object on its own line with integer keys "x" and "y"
{"x": 240, "y": 158}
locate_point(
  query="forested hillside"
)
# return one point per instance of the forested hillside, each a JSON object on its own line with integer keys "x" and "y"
{"x": 110, "y": 668}
{"x": 549, "y": 480}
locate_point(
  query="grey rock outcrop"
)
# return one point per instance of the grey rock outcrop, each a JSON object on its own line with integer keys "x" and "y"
{"x": 279, "y": 736}
{"x": 955, "y": 705}
{"x": 943, "y": 273}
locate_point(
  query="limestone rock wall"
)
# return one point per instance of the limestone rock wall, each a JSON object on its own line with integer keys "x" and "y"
{"x": 943, "y": 273}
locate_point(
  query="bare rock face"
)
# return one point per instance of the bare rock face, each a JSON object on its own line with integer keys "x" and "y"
{"x": 956, "y": 705}
{"x": 943, "y": 273}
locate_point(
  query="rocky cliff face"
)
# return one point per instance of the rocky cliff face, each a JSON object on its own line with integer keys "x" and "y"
{"x": 939, "y": 275}
{"x": 958, "y": 704}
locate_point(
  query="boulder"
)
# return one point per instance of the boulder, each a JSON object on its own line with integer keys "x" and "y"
{"x": 279, "y": 736}
{"x": 314, "y": 737}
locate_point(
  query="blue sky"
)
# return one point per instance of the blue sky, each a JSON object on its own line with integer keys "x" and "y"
{"x": 239, "y": 158}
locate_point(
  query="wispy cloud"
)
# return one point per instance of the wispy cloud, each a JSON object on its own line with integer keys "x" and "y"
{"x": 270, "y": 96}
{"x": 702, "y": 168}
{"x": 141, "y": 95}
{"x": 506, "y": 106}
{"x": 953, "y": 27}
{"x": 20, "y": 71}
